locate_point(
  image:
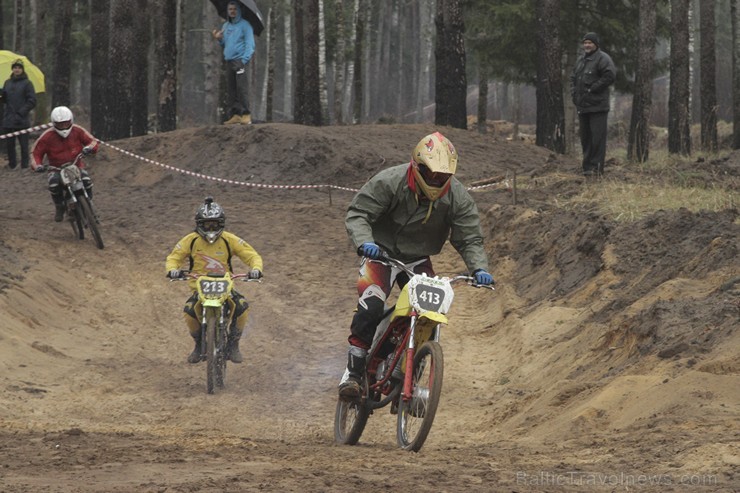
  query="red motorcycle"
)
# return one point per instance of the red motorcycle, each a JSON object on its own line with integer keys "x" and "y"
{"x": 405, "y": 364}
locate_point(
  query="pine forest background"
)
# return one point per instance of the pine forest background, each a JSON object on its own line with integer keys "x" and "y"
{"x": 129, "y": 67}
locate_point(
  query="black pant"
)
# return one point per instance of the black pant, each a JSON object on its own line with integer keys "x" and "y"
{"x": 23, "y": 141}
{"x": 237, "y": 88}
{"x": 593, "y": 141}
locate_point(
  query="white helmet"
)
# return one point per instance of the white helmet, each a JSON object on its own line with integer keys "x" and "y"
{"x": 63, "y": 119}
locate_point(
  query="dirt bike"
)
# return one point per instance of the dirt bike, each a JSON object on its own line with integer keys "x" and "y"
{"x": 214, "y": 293}
{"x": 77, "y": 203}
{"x": 405, "y": 364}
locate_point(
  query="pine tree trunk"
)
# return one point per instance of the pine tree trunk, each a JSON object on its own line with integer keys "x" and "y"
{"x": 99, "y": 38}
{"x": 426, "y": 16}
{"x": 42, "y": 15}
{"x": 299, "y": 105}
{"x": 122, "y": 61}
{"x": 451, "y": 85}
{"x": 357, "y": 83}
{"x": 270, "y": 92}
{"x": 639, "y": 137}
{"x": 323, "y": 89}
{"x": 61, "y": 73}
{"x": 708, "y": 87}
{"x": 311, "y": 60}
{"x": 550, "y": 112}
{"x": 288, "y": 75}
{"x": 19, "y": 25}
{"x": 166, "y": 68}
{"x": 482, "y": 98}
{"x": 735, "y": 12}
{"x": 139, "y": 69}
{"x": 339, "y": 64}
{"x": 679, "y": 133}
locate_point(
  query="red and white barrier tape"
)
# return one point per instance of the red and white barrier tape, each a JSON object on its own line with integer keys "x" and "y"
{"x": 223, "y": 180}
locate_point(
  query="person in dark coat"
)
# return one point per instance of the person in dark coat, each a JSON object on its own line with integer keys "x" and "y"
{"x": 19, "y": 97}
{"x": 592, "y": 75}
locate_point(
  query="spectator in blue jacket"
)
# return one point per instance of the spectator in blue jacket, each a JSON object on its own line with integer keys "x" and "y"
{"x": 237, "y": 39}
{"x": 19, "y": 97}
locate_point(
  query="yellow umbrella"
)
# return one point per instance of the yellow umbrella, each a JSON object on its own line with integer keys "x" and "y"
{"x": 35, "y": 75}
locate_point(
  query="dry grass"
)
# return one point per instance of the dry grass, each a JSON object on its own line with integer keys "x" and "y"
{"x": 665, "y": 181}
{"x": 633, "y": 201}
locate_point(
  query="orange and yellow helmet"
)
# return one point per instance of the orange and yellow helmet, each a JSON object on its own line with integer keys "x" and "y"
{"x": 433, "y": 163}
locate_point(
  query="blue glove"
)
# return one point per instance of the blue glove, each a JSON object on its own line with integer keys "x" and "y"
{"x": 87, "y": 150}
{"x": 482, "y": 277}
{"x": 370, "y": 250}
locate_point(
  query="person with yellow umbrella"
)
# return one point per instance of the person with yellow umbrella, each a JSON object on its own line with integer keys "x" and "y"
{"x": 19, "y": 97}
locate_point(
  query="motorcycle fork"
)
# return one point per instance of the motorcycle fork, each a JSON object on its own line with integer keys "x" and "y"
{"x": 408, "y": 377}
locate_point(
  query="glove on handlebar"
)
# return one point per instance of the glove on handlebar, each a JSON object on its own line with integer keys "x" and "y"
{"x": 174, "y": 274}
{"x": 370, "y": 250}
{"x": 482, "y": 277}
{"x": 87, "y": 150}
{"x": 40, "y": 168}
{"x": 255, "y": 274}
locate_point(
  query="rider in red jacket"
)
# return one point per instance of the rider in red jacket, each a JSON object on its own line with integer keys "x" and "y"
{"x": 61, "y": 144}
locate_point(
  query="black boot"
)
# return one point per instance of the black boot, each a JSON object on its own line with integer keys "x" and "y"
{"x": 351, "y": 385}
{"x": 59, "y": 214}
{"x": 234, "y": 355}
{"x": 195, "y": 356}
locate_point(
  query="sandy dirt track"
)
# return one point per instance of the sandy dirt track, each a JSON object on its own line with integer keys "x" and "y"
{"x": 608, "y": 359}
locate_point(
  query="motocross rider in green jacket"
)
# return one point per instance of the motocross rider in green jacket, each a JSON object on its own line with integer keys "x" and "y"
{"x": 409, "y": 212}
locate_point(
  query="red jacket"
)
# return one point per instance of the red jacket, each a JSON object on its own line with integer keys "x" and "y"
{"x": 59, "y": 150}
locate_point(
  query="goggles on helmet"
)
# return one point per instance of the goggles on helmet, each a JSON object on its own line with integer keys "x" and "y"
{"x": 211, "y": 225}
{"x": 63, "y": 125}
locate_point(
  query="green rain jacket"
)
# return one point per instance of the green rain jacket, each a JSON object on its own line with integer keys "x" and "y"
{"x": 387, "y": 212}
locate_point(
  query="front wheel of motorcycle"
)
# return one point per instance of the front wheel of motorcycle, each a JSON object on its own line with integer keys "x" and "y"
{"x": 416, "y": 415}
{"x": 350, "y": 419}
{"x": 75, "y": 218}
{"x": 211, "y": 352}
{"x": 90, "y": 221}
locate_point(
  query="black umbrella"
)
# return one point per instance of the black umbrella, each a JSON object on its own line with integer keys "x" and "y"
{"x": 249, "y": 11}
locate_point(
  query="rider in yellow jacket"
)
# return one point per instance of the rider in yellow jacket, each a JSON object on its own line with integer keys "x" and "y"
{"x": 209, "y": 249}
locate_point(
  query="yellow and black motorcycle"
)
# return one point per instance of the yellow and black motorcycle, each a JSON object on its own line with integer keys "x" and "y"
{"x": 214, "y": 294}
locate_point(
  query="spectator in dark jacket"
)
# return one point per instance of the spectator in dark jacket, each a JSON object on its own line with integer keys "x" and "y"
{"x": 19, "y": 98}
{"x": 592, "y": 75}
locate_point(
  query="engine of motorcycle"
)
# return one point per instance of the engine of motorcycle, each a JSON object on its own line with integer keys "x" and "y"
{"x": 380, "y": 371}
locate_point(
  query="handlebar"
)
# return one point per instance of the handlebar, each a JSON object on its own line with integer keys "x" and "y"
{"x": 186, "y": 275}
{"x": 58, "y": 168}
{"x": 392, "y": 262}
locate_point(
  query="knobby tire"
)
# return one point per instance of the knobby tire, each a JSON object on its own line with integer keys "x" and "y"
{"x": 415, "y": 416}
{"x": 221, "y": 345}
{"x": 90, "y": 220}
{"x": 350, "y": 419}
{"x": 77, "y": 223}
{"x": 211, "y": 351}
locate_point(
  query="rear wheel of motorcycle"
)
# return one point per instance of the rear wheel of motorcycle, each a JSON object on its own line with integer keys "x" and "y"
{"x": 415, "y": 416}
{"x": 90, "y": 221}
{"x": 350, "y": 419}
{"x": 211, "y": 352}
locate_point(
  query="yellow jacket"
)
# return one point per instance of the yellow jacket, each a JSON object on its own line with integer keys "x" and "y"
{"x": 205, "y": 257}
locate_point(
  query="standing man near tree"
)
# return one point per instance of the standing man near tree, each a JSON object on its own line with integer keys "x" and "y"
{"x": 237, "y": 39}
{"x": 592, "y": 75}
